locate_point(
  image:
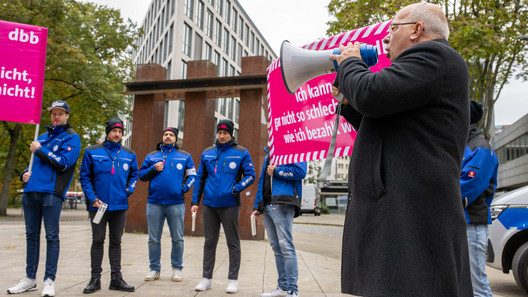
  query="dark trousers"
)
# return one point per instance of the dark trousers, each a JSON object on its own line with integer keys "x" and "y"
{"x": 116, "y": 225}
{"x": 228, "y": 217}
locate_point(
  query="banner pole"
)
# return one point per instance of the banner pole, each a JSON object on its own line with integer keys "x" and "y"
{"x": 32, "y": 153}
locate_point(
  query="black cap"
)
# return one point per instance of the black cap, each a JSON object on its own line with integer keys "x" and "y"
{"x": 226, "y": 125}
{"x": 173, "y": 130}
{"x": 475, "y": 111}
{"x": 114, "y": 123}
{"x": 59, "y": 104}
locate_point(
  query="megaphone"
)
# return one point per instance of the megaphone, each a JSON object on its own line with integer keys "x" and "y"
{"x": 299, "y": 65}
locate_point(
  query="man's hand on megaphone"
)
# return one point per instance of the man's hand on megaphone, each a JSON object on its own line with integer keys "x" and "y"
{"x": 350, "y": 50}
{"x": 339, "y": 96}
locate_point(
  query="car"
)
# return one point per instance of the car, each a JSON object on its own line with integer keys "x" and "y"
{"x": 508, "y": 235}
{"x": 309, "y": 201}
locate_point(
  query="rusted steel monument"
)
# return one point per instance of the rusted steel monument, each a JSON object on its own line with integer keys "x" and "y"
{"x": 199, "y": 90}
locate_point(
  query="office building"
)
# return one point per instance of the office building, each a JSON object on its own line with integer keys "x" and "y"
{"x": 178, "y": 31}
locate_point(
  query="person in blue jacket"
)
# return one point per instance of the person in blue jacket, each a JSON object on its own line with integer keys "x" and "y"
{"x": 225, "y": 170}
{"x": 46, "y": 184}
{"x": 279, "y": 199}
{"x": 478, "y": 181}
{"x": 171, "y": 173}
{"x": 109, "y": 173}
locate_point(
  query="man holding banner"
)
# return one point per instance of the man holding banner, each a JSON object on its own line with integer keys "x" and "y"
{"x": 404, "y": 233}
{"x": 279, "y": 199}
{"x": 57, "y": 152}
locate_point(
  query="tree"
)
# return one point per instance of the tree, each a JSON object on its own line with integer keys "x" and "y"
{"x": 88, "y": 58}
{"x": 483, "y": 32}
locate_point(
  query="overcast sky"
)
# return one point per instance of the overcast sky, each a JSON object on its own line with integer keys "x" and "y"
{"x": 304, "y": 21}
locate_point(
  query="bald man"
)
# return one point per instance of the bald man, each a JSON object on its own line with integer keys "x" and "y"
{"x": 405, "y": 232}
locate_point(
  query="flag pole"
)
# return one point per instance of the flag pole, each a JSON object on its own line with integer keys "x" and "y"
{"x": 32, "y": 153}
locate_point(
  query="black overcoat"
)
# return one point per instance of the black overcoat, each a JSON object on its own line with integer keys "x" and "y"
{"x": 405, "y": 232}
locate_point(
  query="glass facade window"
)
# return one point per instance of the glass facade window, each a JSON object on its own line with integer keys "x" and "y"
{"x": 216, "y": 59}
{"x": 240, "y": 27}
{"x": 187, "y": 39}
{"x": 252, "y": 42}
{"x": 225, "y": 67}
{"x": 222, "y": 106}
{"x": 235, "y": 21}
{"x": 218, "y": 33}
{"x": 181, "y": 115}
{"x": 184, "y": 70}
{"x": 189, "y": 8}
{"x": 513, "y": 150}
{"x": 225, "y": 41}
{"x": 207, "y": 51}
{"x": 220, "y": 7}
{"x": 246, "y": 35}
{"x": 171, "y": 33}
{"x": 227, "y": 12}
{"x": 233, "y": 48}
{"x": 237, "y": 109}
{"x": 200, "y": 15}
{"x": 229, "y": 108}
{"x": 167, "y": 13}
{"x": 169, "y": 69}
{"x": 209, "y": 24}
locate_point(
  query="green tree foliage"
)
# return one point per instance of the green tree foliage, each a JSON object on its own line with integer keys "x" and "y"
{"x": 483, "y": 32}
{"x": 88, "y": 58}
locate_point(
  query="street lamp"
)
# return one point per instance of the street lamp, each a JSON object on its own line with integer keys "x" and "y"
{"x": 523, "y": 37}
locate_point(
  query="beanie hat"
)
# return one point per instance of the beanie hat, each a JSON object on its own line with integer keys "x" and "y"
{"x": 59, "y": 104}
{"x": 173, "y": 130}
{"x": 114, "y": 123}
{"x": 475, "y": 111}
{"x": 226, "y": 125}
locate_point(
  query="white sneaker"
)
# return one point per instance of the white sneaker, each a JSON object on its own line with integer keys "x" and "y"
{"x": 278, "y": 292}
{"x": 176, "y": 275}
{"x": 152, "y": 275}
{"x": 205, "y": 284}
{"x": 49, "y": 288}
{"x": 291, "y": 294}
{"x": 24, "y": 285}
{"x": 232, "y": 286}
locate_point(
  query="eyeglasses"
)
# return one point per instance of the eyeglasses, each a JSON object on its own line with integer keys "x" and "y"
{"x": 393, "y": 28}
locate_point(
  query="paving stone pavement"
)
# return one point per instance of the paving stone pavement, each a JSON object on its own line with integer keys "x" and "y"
{"x": 318, "y": 275}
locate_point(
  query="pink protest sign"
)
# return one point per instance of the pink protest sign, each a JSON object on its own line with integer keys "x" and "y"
{"x": 301, "y": 125}
{"x": 22, "y": 62}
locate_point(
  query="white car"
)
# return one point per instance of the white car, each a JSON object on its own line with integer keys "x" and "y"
{"x": 508, "y": 235}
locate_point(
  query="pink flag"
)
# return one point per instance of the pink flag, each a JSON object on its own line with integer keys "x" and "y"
{"x": 301, "y": 125}
{"x": 22, "y": 62}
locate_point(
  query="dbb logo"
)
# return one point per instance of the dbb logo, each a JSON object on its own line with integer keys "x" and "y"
{"x": 23, "y": 36}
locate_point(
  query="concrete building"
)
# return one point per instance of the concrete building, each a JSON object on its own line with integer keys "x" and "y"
{"x": 511, "y": 147}
{"x": 178, "y": 31}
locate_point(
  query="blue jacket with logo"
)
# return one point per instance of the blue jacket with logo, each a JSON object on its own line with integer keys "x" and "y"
{"x": 109, "y": 172}
{"x": 225, "y": 170}
{"x": 286, "y": 187}
{"x": 478, "y": 178}
{"x": 55, "y": 161}
{"x": 176, "y": 178}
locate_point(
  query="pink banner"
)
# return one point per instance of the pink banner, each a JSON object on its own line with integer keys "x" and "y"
{"x": 22, "y": 62}
{"x": 301, "y": 125}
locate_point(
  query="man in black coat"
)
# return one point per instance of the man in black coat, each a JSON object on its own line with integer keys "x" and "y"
{"x": 405, "y": 232}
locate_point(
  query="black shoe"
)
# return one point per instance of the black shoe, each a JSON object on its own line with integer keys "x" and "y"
{"x": 93, "y": 285}
{"x": 120, "y": 285}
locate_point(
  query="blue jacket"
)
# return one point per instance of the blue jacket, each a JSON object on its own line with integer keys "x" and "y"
{"x": 54, "y": 161}
{"x": 286, "y": 187}
{"x": 176, "y": 178}
{"x": 225, "y": 170}
{"x": 478, "y": 178}
{"x": 98, "y": 181}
